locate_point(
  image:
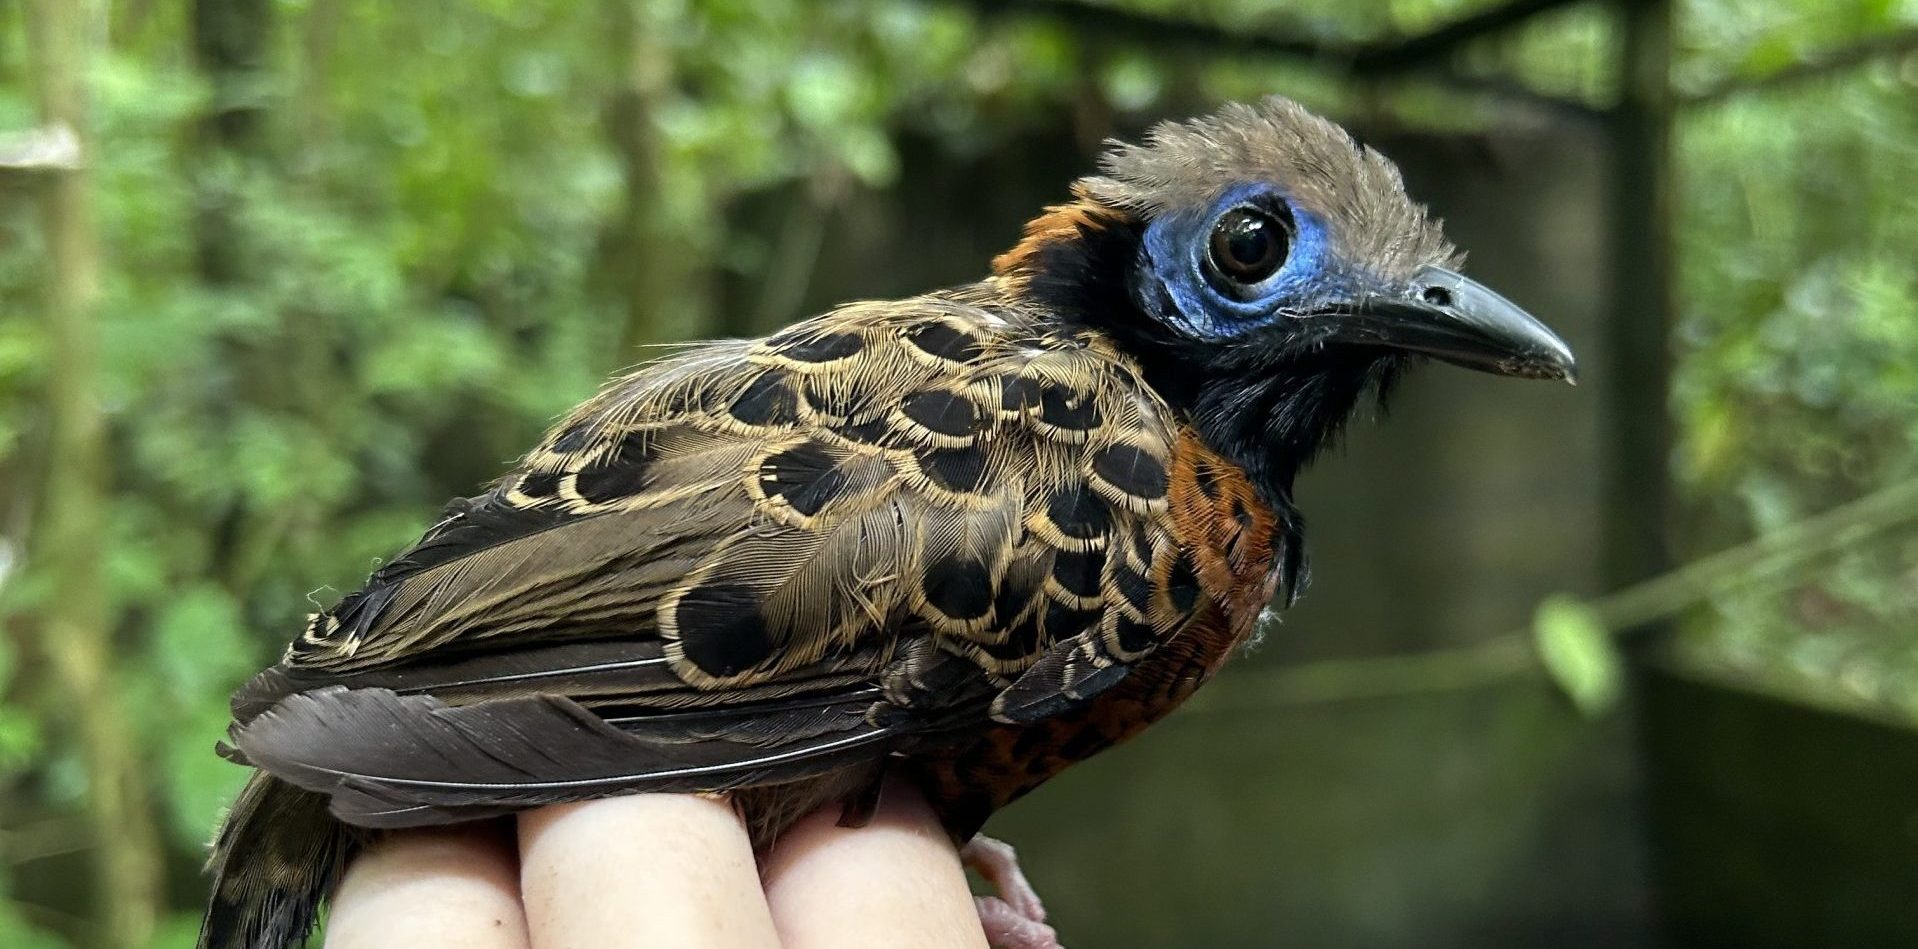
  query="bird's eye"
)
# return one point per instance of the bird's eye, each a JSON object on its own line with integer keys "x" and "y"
{"x": 1248, "y": 245}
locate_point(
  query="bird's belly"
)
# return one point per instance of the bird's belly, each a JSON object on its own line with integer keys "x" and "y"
{"x": 970, "y": 779}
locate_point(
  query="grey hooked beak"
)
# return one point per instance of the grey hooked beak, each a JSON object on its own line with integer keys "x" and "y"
{"x": 1448, "y": 316}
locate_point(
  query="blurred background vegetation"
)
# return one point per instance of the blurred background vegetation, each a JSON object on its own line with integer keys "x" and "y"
{"x": 278, "y": 277}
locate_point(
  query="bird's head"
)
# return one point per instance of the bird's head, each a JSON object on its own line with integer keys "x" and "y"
{"x": 1268, "y": 271}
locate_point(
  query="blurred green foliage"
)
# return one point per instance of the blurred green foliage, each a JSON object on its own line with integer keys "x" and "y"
{"x": 313, "y": 331}
{"x": 1797, "y": 386}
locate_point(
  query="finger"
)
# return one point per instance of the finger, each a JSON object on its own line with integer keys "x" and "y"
{"x": 895, "y": 882}
{"x": 642, "y": 870}
{"x": 453, "y": 886}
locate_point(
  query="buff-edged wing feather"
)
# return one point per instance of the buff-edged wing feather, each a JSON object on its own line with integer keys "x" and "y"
{"x": 749, "y": 564}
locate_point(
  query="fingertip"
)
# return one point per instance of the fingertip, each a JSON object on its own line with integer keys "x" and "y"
{"x": 643, "y": 869}
{"x": 895, "y": 882}
{"x": 442, "y": 886}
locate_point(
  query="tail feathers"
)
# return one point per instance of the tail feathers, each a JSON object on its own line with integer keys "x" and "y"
{"x": 277, "y": 857}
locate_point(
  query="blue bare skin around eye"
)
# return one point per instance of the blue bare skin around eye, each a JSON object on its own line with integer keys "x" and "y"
{"x": 1175, "y": 246}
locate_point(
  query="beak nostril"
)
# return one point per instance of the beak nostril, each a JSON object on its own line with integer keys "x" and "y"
{"x": 1436, "y": 296}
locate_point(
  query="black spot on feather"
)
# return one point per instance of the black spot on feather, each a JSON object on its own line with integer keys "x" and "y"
{"x": 959, "y": 587}
{"x": 767, "y": 400}
{"x": 721, "y": 629}
{"x": 1079, "y": 513}
{"x": 1207, "y": 480}
{"x": 1064, "y": 408}
{"x": 620, "y": 473}
{"x": 1241, "y": 514}
{"x": 1016, "y": 592}
{"x": 1132, "y": 470}
{"x": 1142, "y": 547}
{"x": 805, "y": 475}
{"x": 960, "y": 470}
{"x": 946, "y": 413}
{"x": 1134, "y": 637}
{"x": 945, "y": 341}
{"x": 870, "y": 432}
{"x": 1018, "y": 393}
{"x": 1030, "y": 746}
{"x": 817, "y": 347}
{"x": 1182, "y": 584}
{"x": 539, "y": 485}
{"x": 1064, "y": 622}
{"x": 1135, "y": 587}
{"x": 831, "y": 397}
{"x": 1021, "y": 641}
{"x": 1078, "y": 572}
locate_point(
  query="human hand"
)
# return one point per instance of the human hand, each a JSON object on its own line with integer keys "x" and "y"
{"x": 662, "y": 870}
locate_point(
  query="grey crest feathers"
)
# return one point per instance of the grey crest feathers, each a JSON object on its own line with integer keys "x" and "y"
{"x": 1354, "y": 188}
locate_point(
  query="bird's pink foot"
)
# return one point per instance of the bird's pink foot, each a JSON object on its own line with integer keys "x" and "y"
{"x": 1007, "y": 928}
{"x": 1015, "y": 918}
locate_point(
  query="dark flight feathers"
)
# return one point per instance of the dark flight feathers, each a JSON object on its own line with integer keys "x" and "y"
{"x": 748, "y": 565}
{"x": 392, "y": 760}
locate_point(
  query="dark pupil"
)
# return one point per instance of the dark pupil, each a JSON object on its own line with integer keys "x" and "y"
{"x": 1247, "y": 246}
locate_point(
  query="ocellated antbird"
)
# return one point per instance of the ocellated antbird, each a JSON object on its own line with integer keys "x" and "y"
{"x": 965, "y": 538}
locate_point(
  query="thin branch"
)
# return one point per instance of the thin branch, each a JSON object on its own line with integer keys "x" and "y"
{"x": 1508, "y": 90}
{"x": 1889, "y": 46}
{"x": 1503, "y": 657}
{"x": 1389, "y": 57}
{"x": 1149, "y": 29}
{"x": 1842, "y": 527}
{"x": 41, "y": 839}
{"x": 1161, "y": 33}
{"x": 1372, "y": 677}
{"x": 1423, "y": 53}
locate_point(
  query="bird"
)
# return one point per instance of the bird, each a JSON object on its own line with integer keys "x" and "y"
{"x": 963, "y": 539}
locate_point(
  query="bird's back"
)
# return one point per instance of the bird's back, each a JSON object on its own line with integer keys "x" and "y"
{"x": 757, "y": 563}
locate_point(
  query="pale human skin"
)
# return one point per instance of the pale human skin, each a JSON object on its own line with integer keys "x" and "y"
{"x": 662, "y": 870}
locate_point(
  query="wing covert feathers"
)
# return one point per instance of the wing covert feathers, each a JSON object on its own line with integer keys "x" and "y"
{"x": 874, "y": 524}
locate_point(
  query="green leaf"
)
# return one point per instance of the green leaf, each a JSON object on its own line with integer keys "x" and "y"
{"x": 431, "y": 355}
{"x": 16, "y": 931}
{"x": 19, "y": 730}
{"x": 1579, "y": 653}
{"x": 20, "y": 742}
{"x": 200, "y": 645}
{"x": 178, "y": 931}
{"x": 199, "y": 784}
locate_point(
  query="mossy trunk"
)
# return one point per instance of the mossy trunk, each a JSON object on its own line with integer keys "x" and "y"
{"x": 77, "y": 623}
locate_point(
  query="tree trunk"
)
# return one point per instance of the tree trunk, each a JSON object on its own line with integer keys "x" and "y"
{"x": 230, "y": 41}
{"x": 229, "y": 45}
{"x": 77, "y": 623}
{"x": 1638, "y": 505}
{"x": 651, "y": 261}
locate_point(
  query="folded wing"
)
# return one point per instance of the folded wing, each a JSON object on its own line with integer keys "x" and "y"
{"x": 748, "y": 564}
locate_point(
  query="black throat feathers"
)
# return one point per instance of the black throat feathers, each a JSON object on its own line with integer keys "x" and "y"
{"x": 1268, "y": 401}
